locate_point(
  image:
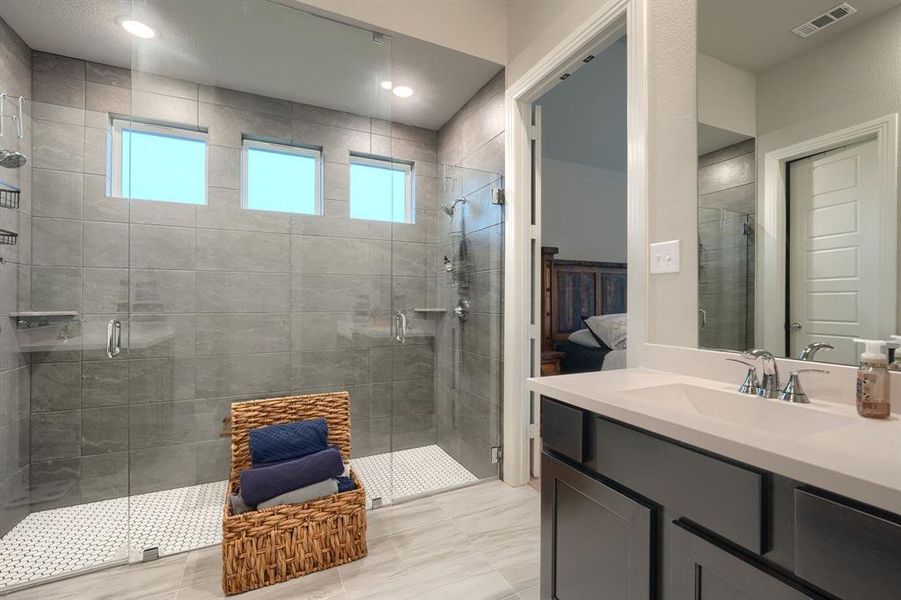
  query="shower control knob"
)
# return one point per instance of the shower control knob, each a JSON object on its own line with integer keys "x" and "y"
{"x": 462, "y": 309}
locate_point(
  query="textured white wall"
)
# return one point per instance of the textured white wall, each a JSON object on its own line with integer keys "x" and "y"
{"x": 583, "y": 211}
{"x": 851, "y": 80}
{"x": 673, "y": 167}
{"x": 535, "y": 27}
{"x": 727, "y": 96}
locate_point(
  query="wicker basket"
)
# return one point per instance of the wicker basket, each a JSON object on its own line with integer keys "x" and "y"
{"x": 277, "y": 544}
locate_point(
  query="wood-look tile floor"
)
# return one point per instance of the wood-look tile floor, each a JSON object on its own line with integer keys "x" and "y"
{"x": 476, "y": 543}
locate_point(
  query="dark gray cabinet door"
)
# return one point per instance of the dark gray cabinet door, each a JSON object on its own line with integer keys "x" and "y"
{"x": 699, "y": 570}
{"x": 595, "y": 542}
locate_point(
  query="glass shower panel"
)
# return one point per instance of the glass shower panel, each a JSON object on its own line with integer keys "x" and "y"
{"x": 262, "y": 284}
{"x": 725, "y": 279}
{"x": 469, "y": 367}
{"x": 447, "y": 374}
{"x": 64, "y": 354}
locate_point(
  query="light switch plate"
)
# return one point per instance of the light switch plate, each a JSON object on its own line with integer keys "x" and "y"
{"x": 665, "y": 257}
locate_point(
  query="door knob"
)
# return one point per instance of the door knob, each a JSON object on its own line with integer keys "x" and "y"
{"x": 796, "y": 326}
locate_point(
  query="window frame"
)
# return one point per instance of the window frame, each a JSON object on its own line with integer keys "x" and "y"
{"x": 248, "y": 144}
{"x": 385, "y": 163}
{"x": 117, "y": 125}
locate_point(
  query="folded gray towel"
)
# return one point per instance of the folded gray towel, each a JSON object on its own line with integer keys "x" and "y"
{"x": 304, "y": 494}
{"x": 238, "y": 505}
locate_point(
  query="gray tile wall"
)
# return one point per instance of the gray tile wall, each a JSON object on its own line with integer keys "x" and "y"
{"x": 15, "y": 427}
{"x": 469, "y": 353}
{"x": 727, "y": 199}
{"x": 225, "y": 303}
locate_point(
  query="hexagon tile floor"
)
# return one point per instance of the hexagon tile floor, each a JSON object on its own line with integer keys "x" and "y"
{"x": 63, "y": 540}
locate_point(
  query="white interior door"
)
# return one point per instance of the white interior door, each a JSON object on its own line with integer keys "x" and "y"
{"x": 835, "y": 250}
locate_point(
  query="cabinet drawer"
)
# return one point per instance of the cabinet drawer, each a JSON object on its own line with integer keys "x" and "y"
{"x": 718, "y": 495}
{"x": 848, "y": 552}
{"x": 563, "y": 429}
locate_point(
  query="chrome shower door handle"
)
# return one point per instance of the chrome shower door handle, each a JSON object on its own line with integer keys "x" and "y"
{"x": 113, "y": 338}
{"x": 400, "y": 326}
{"x": 702, "y": 318}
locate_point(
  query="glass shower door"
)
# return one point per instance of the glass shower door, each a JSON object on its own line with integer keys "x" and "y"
{"x": 65, "y": 352}
{"x": 469, "y": 373}
{"x": 260, "y": 282}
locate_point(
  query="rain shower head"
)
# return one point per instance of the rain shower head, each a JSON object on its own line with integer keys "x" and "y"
{"x": 450, "y": 206}
{"x": 11, "y": 159}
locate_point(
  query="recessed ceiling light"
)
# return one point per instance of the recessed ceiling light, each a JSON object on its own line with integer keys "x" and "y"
{"x": 387, "y": 85}
{"x": 136, "y": 28}
{"x": 403, "y": 91}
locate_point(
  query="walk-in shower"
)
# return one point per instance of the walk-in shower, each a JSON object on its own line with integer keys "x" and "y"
{"x": 207, "y": 222}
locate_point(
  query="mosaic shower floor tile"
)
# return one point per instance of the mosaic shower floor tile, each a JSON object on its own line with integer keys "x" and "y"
{"x": 55, "y": 542}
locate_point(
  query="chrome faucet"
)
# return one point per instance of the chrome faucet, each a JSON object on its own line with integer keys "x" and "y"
{"x": 769, "y": 383}
{"x": 811, "y": 349}
{"x": 750, "y": 385}
{"x": 793, "y": 391}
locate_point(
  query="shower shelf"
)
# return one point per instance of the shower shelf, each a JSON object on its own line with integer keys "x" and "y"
{"x": 8, "y": 237}
{"x": 32, "y": 319}
{"x": 9, "y": 198}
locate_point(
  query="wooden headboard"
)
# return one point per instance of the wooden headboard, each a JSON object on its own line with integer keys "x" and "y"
{"x": 572, "y": 289}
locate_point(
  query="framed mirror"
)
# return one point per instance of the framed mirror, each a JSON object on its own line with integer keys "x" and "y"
{"x": 797, "y": 175}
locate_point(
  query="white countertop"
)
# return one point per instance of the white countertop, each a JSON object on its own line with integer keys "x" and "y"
{"x": 860, "y": 460}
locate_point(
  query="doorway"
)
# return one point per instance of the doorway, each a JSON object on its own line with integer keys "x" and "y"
{"x": 579, "y": 209}
{"x": 522, "y": 310}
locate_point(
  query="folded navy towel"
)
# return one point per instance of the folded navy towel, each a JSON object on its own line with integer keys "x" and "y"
{"x": 262, "y": 483}
{"x": 346, "y": 484}
{"x": 288, "y": 440}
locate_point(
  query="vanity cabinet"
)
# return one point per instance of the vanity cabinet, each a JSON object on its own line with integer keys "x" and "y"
{"x": 703, "y": 570}
{"x": 629, "y": 514}
{"x": 595, "y": 541}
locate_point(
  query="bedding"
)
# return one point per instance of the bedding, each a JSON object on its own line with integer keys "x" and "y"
{"x": 580, "y": 359}
{"x": 615, "y": 359}
{"x": 584, "y": 337}
{"x": 609, "y": 329}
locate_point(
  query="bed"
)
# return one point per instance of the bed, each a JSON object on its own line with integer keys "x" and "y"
{"x": 571, "y": 290}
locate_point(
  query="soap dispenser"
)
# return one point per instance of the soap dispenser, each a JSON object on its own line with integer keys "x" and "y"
{"x": 873, "y": 381}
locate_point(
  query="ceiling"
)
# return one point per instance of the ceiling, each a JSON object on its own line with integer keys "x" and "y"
{"x": 757, "y": 35}
{"x": 583, "y": 118}
{"x": 260, "y": 46}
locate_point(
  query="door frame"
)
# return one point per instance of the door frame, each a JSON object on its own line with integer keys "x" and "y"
{"x": 772, "y": 292}
{"x": 521, "y": 327}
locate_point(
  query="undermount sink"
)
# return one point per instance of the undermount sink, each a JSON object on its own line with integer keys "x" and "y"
{"x": 774, "y": 416}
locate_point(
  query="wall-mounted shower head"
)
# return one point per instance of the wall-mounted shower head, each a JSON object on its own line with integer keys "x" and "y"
{"x": 450, "y": 206}
{"x": 11, "y": 159}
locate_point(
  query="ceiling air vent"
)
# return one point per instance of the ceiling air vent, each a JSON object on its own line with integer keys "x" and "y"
{"x": 825, "y": 20}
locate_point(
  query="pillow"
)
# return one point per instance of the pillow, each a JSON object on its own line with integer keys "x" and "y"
{"x": 584, "y": 337}
{"x": 610, "y": 329}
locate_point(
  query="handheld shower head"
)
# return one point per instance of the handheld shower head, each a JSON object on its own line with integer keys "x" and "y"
{"x": 11, "y": 159}
{"x": 449, "y": 207}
